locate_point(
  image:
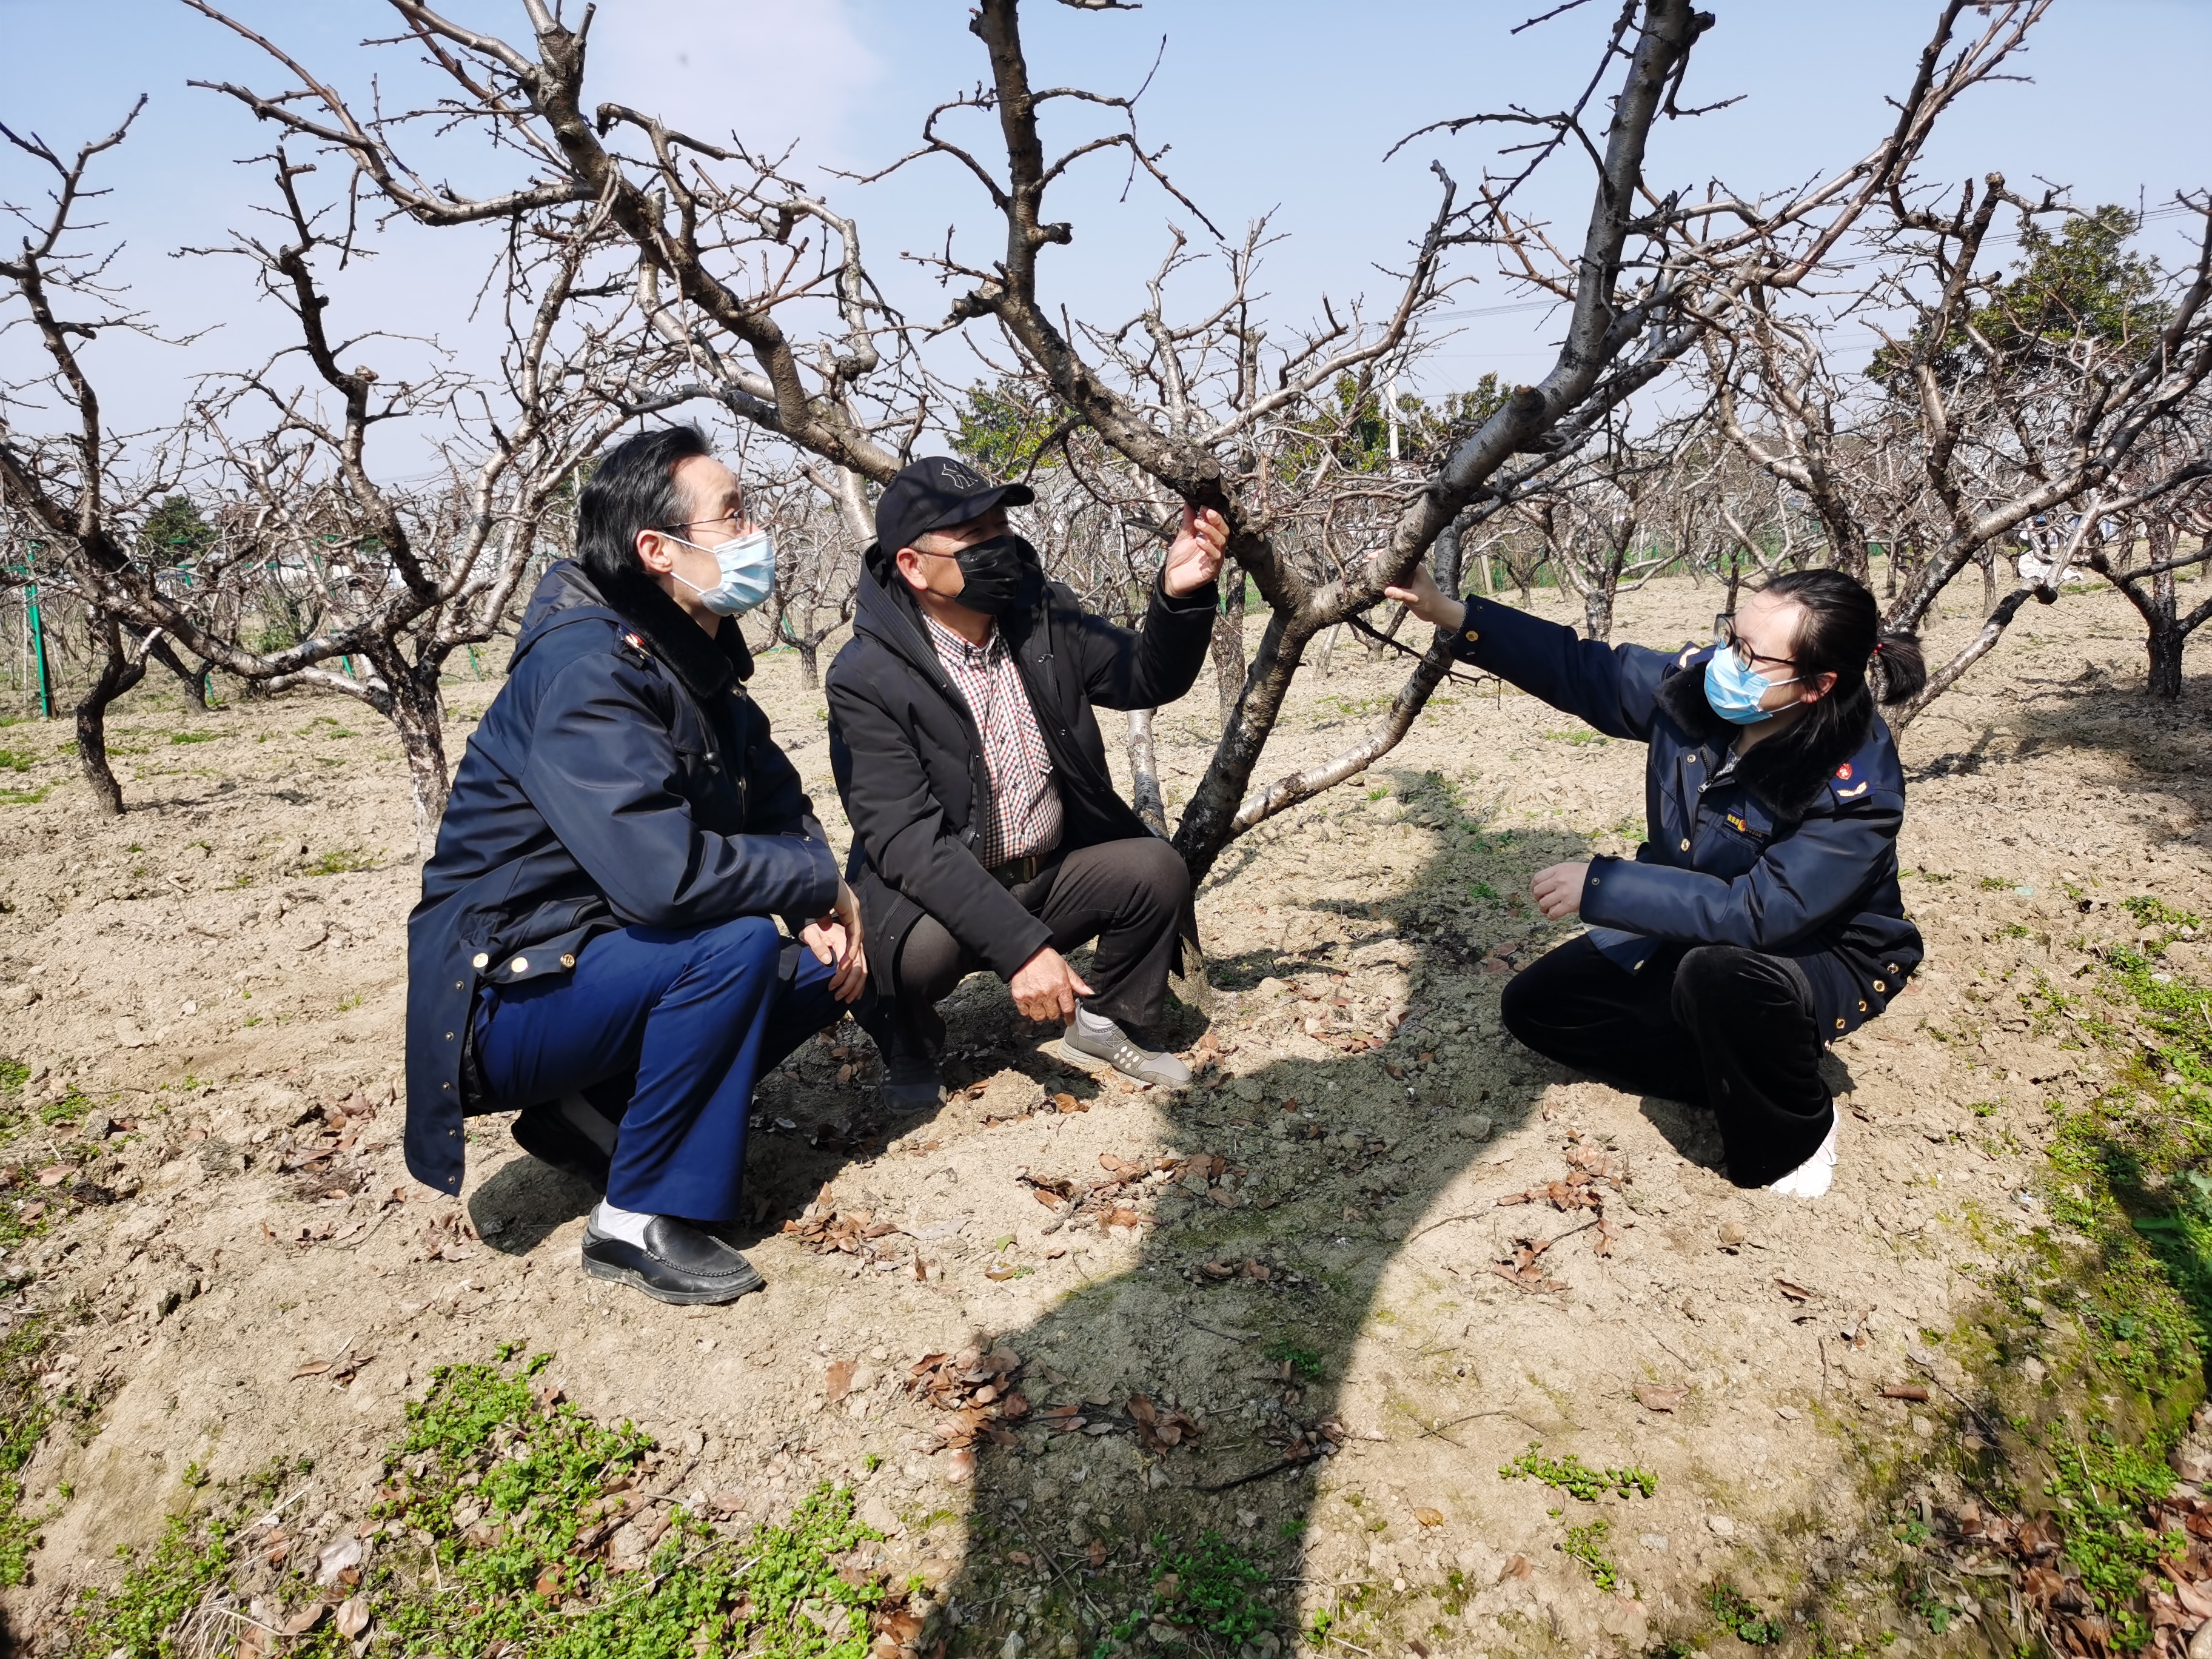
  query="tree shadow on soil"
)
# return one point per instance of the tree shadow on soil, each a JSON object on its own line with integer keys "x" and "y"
{"x": 1244, "y": 1315}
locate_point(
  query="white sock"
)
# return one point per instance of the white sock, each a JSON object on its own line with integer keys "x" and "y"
{"x": 1096, "y": 1026}
{"x": 611, "y": 1221}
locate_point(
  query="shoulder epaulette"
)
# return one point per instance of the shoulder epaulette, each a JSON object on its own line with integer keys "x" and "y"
{"x": 632, "y": 646}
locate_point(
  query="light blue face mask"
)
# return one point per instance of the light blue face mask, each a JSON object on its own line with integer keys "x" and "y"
{"x": 748, "y": 567}
{"x": 1733, "y": 691}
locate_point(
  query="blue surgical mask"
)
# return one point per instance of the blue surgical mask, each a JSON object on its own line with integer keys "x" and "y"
{"x": 1732, "y": 691}
{"x": 748, "y": 567}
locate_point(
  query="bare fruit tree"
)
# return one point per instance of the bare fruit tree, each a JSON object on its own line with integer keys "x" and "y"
{"x": 1992, "y": 400}
{"x": 395, "y": 580}
{"x": 757, "y": 290}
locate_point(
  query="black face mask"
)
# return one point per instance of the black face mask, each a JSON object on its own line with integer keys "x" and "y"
{"x": 991, "y": 573}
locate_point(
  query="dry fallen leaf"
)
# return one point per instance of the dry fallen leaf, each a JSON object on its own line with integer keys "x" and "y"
{"x": 1732, "y": 1233}
{"x": 1065, "y": 1103}
{"x": 1429, "y": 1517}
{"x": 304, "y": 1620}
{"x": 961, "y": 1466}
{"x": 1794, "y": 1292}
{"x": 839, "y": 1381}
{"x": 1096, "y": 1550}
{"x": 1906, "y": 1391}
{"x": 352, "y": 1617}
{"x": 1653, "y": 1398}
{"x": 1517, "y": 1566}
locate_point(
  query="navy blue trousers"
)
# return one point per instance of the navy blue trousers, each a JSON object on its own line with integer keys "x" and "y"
{"x": 664, "y": 1029}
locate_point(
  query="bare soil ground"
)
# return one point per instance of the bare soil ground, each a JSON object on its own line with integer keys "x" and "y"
{"x": 1288, "y": 1306}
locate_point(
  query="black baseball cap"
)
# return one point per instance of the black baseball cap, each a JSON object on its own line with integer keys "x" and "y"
{"x": 935, "y": 492}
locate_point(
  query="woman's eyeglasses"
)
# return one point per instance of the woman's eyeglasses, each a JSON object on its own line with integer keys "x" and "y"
{"x": 1725, "y": 624}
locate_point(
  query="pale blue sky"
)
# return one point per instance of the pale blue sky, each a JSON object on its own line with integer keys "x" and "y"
{"x": 1286, "y": 105}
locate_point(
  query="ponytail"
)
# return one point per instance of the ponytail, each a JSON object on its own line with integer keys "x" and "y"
{"x": 1901, "y": 671}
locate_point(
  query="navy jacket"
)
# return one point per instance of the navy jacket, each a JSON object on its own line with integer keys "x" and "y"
{"x": 1794, "y": 853}
{"x": 908, "y": 759}
{"x": 621, "y": 778}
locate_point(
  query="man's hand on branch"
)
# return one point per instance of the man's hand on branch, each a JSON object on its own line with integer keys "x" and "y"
{"x": 1046, "y": 987}
{"x": 1559, "y": 890}
{"x": 1196, "y": 559}
{"x": 1421, "y": 596}
{"x": 837, "y": 938}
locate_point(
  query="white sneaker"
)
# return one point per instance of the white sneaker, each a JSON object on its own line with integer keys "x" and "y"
{"x": 1811, "y": 1178}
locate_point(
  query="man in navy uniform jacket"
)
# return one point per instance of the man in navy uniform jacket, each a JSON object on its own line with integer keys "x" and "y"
{"x": 596, "y": 944}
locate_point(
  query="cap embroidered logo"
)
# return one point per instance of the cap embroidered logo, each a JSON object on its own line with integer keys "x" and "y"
{"x": 959, "y": 476}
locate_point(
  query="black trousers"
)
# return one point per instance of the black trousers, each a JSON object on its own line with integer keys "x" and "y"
{"x": 1130, "y": 896}
{"x": 1713, "y": 1025}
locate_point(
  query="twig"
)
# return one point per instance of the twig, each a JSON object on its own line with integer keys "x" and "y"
{"x": 1472, "y": 1215}
{"x": 1226, "y": 1336}
{"x": 1276, "y": 1467}
{"x": 1929, "y": 1374}
{"x": 1439, "y": 1429}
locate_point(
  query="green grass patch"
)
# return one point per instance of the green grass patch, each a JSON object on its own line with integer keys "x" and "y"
{"x": 17, "y": 760}
{"x": 343, "y": 862}
{"x": 24, "y": 1412}
{"x": 2150, "y": 912}
{"x": 1213, "y": 1586}
{"x": 1304, "y": 1363}
{"x": 1581, "y": 737}
{"x": 1587, "y": 1546}
{"x": 2124, "y": 1305}
{"x": 496, "y": 1504}
{"x": 194, "y": 737}
{"x": 1741, "y": 1618}
{"x": 23, "y": 797}
{"x": 1570, "y": 1475}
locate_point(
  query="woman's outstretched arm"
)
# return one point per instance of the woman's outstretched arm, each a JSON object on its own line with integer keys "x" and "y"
{"x": 1611, "y": 687}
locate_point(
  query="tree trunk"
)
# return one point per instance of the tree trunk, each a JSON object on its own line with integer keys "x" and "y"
{"x": 1228, "y": 644}
{"x": 1597, "y": 610}
{"x": 119, "y": 672}
{"x": 1321, "y": 656}
{"x": 809, "y": 663}
{"x": 1145, "y": 774}
{"x": 2166, "y": 635}
{"x": 417, "y": 713}
{"x": 2165, "y": 644}
{"x": 1989, "y": 561}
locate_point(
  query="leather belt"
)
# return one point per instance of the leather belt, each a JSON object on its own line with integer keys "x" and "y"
{"x": 1014, "y": 872}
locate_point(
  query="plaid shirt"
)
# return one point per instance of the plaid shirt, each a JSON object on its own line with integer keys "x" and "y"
{"x": 1025, "y": 816}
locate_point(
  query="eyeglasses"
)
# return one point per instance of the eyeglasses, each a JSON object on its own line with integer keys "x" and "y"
{"x": 1725, "y": 624}
{"x": 732, "y": 519}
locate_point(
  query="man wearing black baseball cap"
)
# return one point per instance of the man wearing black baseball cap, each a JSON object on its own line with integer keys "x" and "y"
{"x": 986, "y": 832}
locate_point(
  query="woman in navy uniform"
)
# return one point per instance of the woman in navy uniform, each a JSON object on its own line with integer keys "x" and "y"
{"x": 1761, "y": 920}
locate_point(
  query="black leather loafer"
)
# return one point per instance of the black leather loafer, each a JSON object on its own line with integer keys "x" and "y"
{"x": 547, "y": 1136}
{"x": 679, "y": 1263}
